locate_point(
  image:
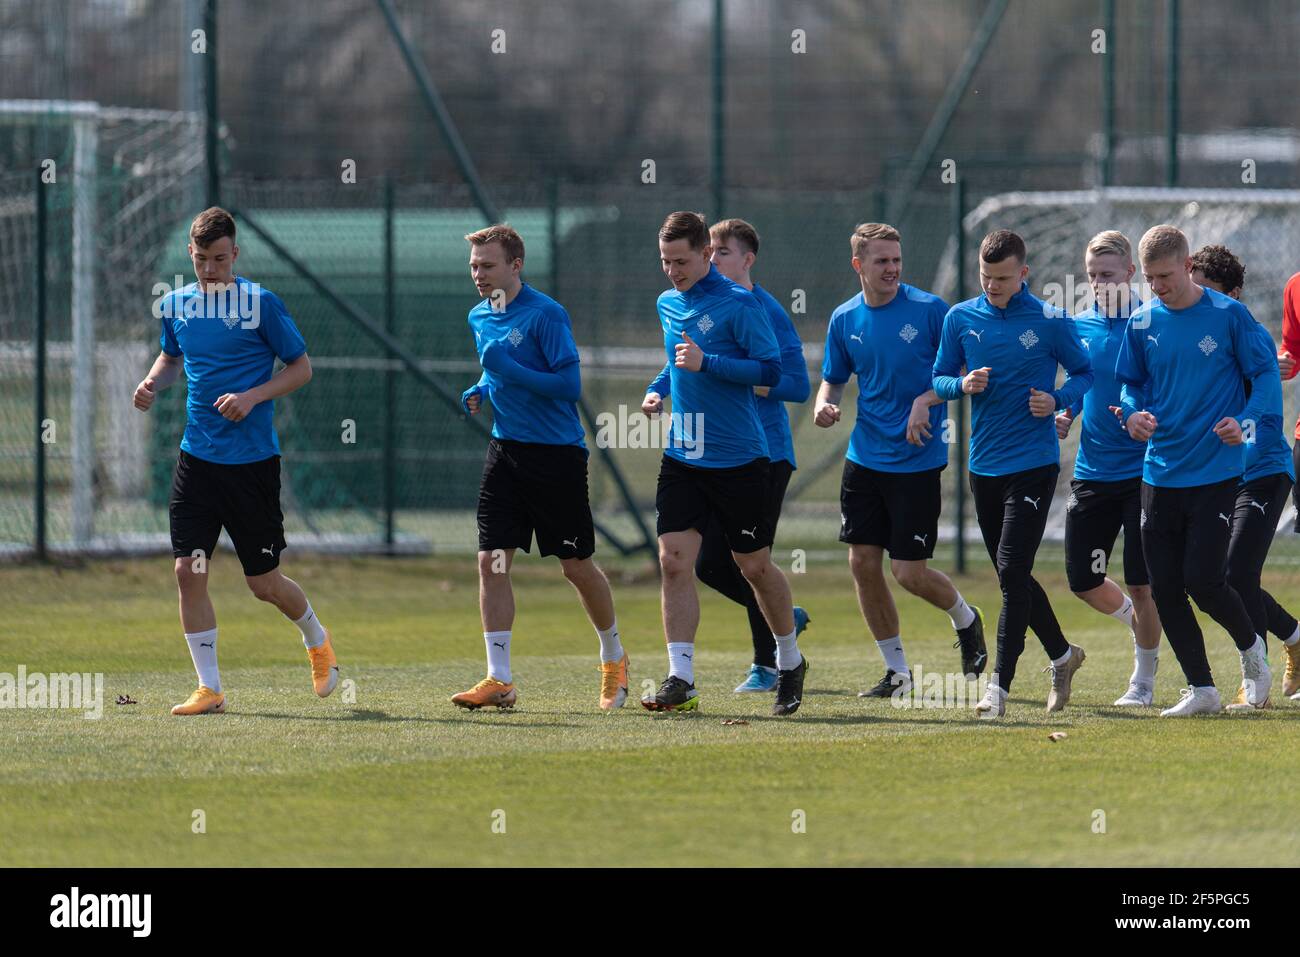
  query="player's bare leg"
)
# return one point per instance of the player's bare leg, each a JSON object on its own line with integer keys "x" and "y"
{"x": 496, "y": 604}
{"x": 681, "y": 613}
{"x": 598, "y": 602}
{"x": 285, "y": 594}
{"x": 772, "y": 591}
{"x": 199, "y": 621}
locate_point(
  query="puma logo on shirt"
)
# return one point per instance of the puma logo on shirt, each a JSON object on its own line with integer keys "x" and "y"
{"x": 1155, "y": 339}
{"x": 978, "y": 335}
{"x": 859, "y": 338}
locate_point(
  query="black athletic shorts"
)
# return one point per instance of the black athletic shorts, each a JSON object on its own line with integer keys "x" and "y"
{"x": 1094, "y": 515}
{"x": 899, "y": 511}
{"x": 243, "y": 499}
{"x": 532, "y": 487}
{"x": 688, "y": 496}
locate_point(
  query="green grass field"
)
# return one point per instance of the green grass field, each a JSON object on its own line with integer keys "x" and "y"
{"x": 400, "y": 777}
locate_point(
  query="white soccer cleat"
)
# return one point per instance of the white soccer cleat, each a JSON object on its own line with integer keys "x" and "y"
{"x": 1195, "y": 701}
{"x": 1140, "y": 694}
{"x": 1256, "y": 679}
{"x": 993, "y": 705}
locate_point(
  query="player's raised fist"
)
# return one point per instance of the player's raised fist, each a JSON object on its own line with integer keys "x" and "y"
{"x": 652, "y": 404}
{"x": 1141, "y": 425}
{"x": 235, "y": 406}
{"x": 144, "y": 395}
{"x": 1041, "y": 404}
{"x": 471, "y": 400}
{"x": 976, "y": 381}
{"x": 689, "y": 355}
{"x": 828, "y": 413}
{"x": 1229, "y": 431}
{"x": 1285, "y": 364}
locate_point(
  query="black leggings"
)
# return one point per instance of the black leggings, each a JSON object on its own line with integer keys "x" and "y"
{"x": 716, "y": 568}
{"x": 1012, "y": 513}
{"x": 1185, "y": 536}
{"x": 1260, "y": 503}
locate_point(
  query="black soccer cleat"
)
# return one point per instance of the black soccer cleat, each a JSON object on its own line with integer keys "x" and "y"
{"x": 974, "y": 653}
{"x": 673, "y": 695}
{"x": 890, "y": 684}
{"x": 789, "y": 689}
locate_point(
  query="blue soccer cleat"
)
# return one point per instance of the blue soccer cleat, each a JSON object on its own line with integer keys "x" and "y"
{"x": 760, "y": 678}
{"x": 801, "y": 620}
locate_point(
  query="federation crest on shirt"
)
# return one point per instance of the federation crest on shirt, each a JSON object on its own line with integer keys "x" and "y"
{"x": 230, "y": 321}
{"x": 705, "y": 323}
{"x": 1207, "y": 345}
{"x": 1028, "y": 339}
{"x": 515, "y": 336}
{"x": 908, "y": 333}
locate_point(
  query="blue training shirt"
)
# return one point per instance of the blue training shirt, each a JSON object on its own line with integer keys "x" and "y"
{"x": 1185, "y": 367}
{"x": 891, "y": 349}
{"x": 230, "y": 341}
{"x": 1269, "y": 453}
{"x": 1022, "y": 345}
{"x": 728, "y": 323}
{"x": 1107, "y": 453}
{"x": 793, "y": 387}
{"x": 535, "y": 332}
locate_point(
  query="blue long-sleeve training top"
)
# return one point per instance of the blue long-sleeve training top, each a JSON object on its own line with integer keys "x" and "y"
{"x": 793, "y": 387}
{"x": 1022, "y": 345}
{"x": 1107, "y": 453}
{"x": 1186, "y": 367}
{"x": 531, "y": 369}
{"x": 891, "y": 349}
{"x": 727, "y": 322}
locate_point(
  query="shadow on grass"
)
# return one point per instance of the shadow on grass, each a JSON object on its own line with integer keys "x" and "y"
{"x": 358, "y": 714}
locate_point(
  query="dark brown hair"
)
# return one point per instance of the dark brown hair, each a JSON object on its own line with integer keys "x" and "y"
{"x": 688, "y": 226}
{"x": 1221, "y": 266}
{"x": 735, "y": 229}
{"x": 210, "y": 225}
{"x": 1002, "y": 244}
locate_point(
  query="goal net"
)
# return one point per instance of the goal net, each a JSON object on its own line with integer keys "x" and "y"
{"x": 1262, "y": 227}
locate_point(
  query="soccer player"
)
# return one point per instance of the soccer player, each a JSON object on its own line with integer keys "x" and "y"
{"x": 1289, "y": 366}
{"x": 1266, "y": 482}
{"x": 227, "y": 333}
{"x": 1180, "y": 367}
{"x": 1011, "y": 343}
{"x": 887, "y": 335}
{"x": 716, "y": 463}
{"x": 735, "y": 249}
{"x": 1106, "y": 492}
{"x": 535, "y": 473}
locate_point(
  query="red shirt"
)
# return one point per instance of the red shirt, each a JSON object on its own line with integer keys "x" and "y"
{"x": 1291, "y": 326}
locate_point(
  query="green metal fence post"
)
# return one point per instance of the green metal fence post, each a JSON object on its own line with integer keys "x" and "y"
{"x": 1171, "y": 94}
{"x": 211, "y": 154}
{"x": 390, "y": 373}
{"x": 42, "y": 228}
{"x": 719, "y": 111}
{"x": 1108, "y": 94}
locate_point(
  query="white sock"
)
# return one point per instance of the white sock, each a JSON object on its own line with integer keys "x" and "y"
{"x": 203, "y": 652}
{"x": 1295, "y": 636}
{"x": 787, "y": 652}
{"x": 1258, "y": 649}
{"x": 961, "y": 614}
{"x": 611, "y": 649}
{"x": 1145, "y": 661}
{"x": 995, "y": 690}
{"x": 313, "y": 635}
{"x": 681, "y": 660}
{"x": 1057, "y": 662}
{"x": 498, "y": 655}
{"x": 891, "y": 649}
{"x": 1125, "y": 612}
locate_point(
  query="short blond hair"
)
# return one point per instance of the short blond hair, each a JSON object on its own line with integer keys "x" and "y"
{"x": 1110, "y": 242}
{"x": 1162, "y": 241}
{"x": 864, "y": 233}
{"x": 502, "y": 233}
